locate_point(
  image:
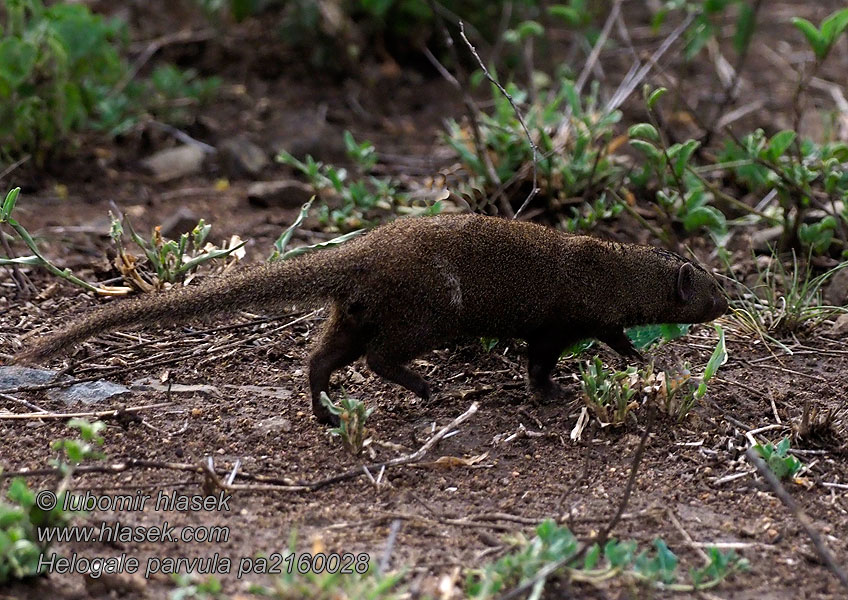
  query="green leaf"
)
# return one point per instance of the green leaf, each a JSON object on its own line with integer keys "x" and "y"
{"x": 9, "y": 204}
{"x": 655, "y": 96}
{"x": 833, "y": 26}
{"x": 683, "y": 155}
{"x": 779, "y": 143}
{"x": 644, "y": 130}
{"x": 814, "y": 37}
{"x": 704, "y": 216}
{"x": 718, "y": 358}
{"x": 646, "y": 147}
{"x": 643, "y": 336}
{"x": 745, "y": 25}
{"x": 530, "y": 28}
{"x": 783, "y": 447}
{"x": 283, "y": 241}
{"x": 568, "y": 14}
{"x": 17, "y": 59}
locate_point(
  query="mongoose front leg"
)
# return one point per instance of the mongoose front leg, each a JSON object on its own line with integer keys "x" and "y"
{"x": 399, "y": 374}
{"x": 618, "y": 341}
{"x": 542, "y": 357}
{"x": 340, "y": 345}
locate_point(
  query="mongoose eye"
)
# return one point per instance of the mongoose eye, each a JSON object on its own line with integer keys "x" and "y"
{"x": 686, "y": 282}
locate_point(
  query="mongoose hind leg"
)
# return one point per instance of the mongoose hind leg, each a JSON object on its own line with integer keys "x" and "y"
{"x": 342, "y": 342}
{"x": 398, "y": 373}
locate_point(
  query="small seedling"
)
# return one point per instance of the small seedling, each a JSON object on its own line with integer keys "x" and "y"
{"x": 37, "y": 259}
{"x": 609, "y": 393}
{"x": 22, "y": 520}
{"x": 555, "y": 545}
{"x": 352, "y": 415}
{"x": 281, "y": 251}
{"x": 782, "y": 464}
{"x": 171, "y": 260}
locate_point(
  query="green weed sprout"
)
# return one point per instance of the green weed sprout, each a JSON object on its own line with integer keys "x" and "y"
{"x": 280, "y": 251}
{"x": 352, "y": 415}
{"x": 555, "y": 546}
{"x": 782, "y": 464}
{"x": 37, "y": 259}
{"x": 171, "y": 260}
{"x": 608, "y": 393}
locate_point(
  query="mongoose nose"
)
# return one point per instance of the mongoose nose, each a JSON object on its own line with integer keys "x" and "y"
{"x": 719, "y": 305}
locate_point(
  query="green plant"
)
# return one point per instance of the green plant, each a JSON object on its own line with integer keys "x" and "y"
{"x": 556, "y": 549}
{"x": 172, "y": 260}
{"x": 609, "y": 394}
{"x": 352, "y": 414}
{"x": 676, "y": 391}
{"x": 21, "y": 544}
{"x": 360, "y": 198}
{"x": 823, "y": 38}
{"x": 783, "y": 301}
{"x": 782, "y": 464}
{"x": 682, "y": 194}
{"x": 281, "y": 252}
{"x": 37, "y": 259}
{"x": 62, "y": 70}
{"x": 72, "y": 452}
{"x": 573, "y": 135}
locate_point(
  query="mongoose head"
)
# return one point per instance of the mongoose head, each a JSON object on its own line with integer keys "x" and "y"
{"x": 692, "y": 294}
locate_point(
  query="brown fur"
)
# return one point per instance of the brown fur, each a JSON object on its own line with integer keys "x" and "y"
{"x": 416, "y": 284}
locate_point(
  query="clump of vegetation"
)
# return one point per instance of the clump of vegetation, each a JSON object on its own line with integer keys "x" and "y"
{"x": 555, "y": 551}
{"x": 352, "y": 414}
{"x": 22, "y": 518}
{"x": 172, "y": 261}
{"x": 281, "y": 250}
{"x": 360, "y": 199}
{"x": 778, "y": 459}
{"x": 572, "y": 134}
{"x": 62, "y": 71}
{"x": 611, "y": 395}
{"x": 784, "y": 301}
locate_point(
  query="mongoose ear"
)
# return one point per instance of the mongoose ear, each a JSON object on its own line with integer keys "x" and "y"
{"x": 686, "y": 282}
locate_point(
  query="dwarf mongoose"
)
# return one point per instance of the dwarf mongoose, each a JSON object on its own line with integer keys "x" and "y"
{"x": 417, "y": 284}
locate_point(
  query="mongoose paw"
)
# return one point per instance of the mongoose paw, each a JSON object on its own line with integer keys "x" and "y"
{"x": 324, "y": 416}
{"x": 546, "y": 393}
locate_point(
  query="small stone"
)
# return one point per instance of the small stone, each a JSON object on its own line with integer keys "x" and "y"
{"x": 836, "y": 292}
{"x": 242, "y": 158}
{"x": 275, "y": 425}
{"x": 284, "y": 194}
{"x": 181, "y": 221}
{"x": 13, "y": 377}
{"x": 89, "y": 392}
{"x": 175, "y": 162}
{"x": 840, "y": 327}
{"x": 764, "y": 240}
{"x": 148, "y": 384}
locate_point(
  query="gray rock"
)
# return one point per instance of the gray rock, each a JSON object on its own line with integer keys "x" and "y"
{"x": 284, "y": 194}
{"x": 274, "y": 425}
{"x": 151, "y": 385}
{"x": 836, "y": 292}
{"x": 279, "y": 393}
{"x": 14, "y": 376}
{"x": 181, "y": 221}
{"x": 242, "y": 158}
{"x": 765, "y": 239}
{"x": 175, "y": 162}
{"x": 89, "y": 392}
{"x": 840, "y": 327}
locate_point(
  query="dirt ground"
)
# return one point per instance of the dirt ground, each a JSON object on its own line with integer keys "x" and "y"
{"x": 252, "y": 405}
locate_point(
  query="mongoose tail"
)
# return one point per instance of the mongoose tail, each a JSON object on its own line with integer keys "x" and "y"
{"x": 263, "y": 287}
